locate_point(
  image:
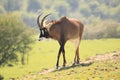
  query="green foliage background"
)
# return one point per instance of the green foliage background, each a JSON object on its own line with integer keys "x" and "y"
{"x": 14, "y": 38}
{"x": 86, "y": 10}
{"x": 101, "y": 17}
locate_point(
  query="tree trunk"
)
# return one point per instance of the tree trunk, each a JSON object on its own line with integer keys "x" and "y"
{"x": 23, "y": 59}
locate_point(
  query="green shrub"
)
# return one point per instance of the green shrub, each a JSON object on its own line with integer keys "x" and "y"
{"x": 14, "y": 37}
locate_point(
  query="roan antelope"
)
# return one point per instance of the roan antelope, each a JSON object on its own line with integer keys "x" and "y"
{"x": 62, "y": 30}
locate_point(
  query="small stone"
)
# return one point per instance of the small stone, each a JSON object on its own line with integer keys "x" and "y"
{"x": 116, "y": 67}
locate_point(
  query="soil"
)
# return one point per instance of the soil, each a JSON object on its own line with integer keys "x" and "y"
{"x": 114, "y": 55}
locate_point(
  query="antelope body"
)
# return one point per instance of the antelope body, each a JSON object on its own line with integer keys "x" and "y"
{"x": 62, "y": 30}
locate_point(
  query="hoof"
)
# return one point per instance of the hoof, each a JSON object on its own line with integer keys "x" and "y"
{"x": 78, "y": 62}
{"x": 57, "y": 67}
{"x": 73, "y": 64}
{"x": 64, "y": 66}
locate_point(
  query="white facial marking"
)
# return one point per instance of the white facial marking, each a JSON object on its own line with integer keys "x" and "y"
{"x": 43, "y": 32}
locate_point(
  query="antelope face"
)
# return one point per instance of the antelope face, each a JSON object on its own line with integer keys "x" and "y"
{"x": 43, "y": 29}
{"x": 43, "y": 33}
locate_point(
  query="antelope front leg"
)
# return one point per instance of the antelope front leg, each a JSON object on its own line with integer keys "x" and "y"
{"x": 59, "y": 53}
{"x": 62, "y": 44}
{"x": 57, "y": 64}
{"x": 64, "y": 60}
{"x": 63, "y": 52}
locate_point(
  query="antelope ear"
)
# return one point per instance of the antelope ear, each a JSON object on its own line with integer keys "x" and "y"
{"x": 44, "y": 23}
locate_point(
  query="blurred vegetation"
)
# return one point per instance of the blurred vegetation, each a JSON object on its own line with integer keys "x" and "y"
{"x": 14, "y": 37}
{"x": 101, "y": 17}
{"x": 102, "y": 29}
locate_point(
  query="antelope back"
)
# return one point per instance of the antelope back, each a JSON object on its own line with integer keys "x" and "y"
{"x": 66, "y": 28}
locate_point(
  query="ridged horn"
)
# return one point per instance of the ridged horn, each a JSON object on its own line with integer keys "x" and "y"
{"x": 44, "y": 19}
{"x": 39, "y": 22}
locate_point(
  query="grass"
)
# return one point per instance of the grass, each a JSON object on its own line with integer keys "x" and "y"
{"x": 44, "y": 55}
{"x": 103, "y": 70}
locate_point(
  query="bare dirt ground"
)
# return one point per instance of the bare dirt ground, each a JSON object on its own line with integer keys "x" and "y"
{"x": 114, "y": 55}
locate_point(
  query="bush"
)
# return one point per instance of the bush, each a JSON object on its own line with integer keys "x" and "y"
{"x": 1, "y": 77}
{"x": 14, "y": 37}
{"x": 103, "y": 29}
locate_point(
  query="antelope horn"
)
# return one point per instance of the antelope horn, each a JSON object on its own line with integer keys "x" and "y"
{"x": 38, "y": 21}
{"x": 44, "y": 19}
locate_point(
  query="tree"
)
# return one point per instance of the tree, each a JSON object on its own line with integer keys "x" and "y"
{"x": 62, "y": 8}
{"x": 74, "y": 4}
{"x": 2, "y": 9}
{"x": 13, "y": 5}
{"x": 103, "y": 29}
{"x": 33, "y": 5}
{"x": 14, "y": 35}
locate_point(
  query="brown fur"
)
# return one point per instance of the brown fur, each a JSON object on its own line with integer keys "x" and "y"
{"x": 66, "y": 28}
{"x": 63, "y": 30}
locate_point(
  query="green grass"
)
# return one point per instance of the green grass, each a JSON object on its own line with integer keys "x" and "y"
{"x": 103, "y": 70}
{"x": 44, "y": 55}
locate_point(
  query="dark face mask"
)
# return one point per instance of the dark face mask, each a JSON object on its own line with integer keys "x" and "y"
{"x": 43, "y": 33}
